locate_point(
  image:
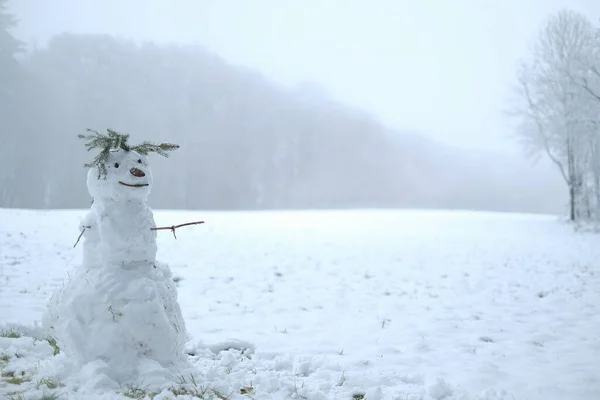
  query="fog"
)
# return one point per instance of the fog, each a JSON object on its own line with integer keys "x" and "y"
{"x": 276, "y": 104}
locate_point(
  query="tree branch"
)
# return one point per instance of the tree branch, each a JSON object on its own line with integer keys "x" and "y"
{"x": 587, "y": 88}
{"x": 540, "y": 129}
{"x": 173, "y": 227}
{"x": 584, "y": 84}
{"x": 81, "y": 234}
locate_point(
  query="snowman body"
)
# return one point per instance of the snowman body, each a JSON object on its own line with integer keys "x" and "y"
{"x": 120, "y": 306}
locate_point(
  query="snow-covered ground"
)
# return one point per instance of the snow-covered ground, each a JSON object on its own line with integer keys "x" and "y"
{"x": 339, "y": 305}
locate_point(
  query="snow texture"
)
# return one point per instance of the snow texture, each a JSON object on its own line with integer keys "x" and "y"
{"x": 401, "y": 305}
{"x": 119, "y": 307}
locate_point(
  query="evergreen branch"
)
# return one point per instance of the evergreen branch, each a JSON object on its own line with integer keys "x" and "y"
{"x": 113, "y": 140}
{"x": 149, "y": 147}
{"x": 106, "y": 142}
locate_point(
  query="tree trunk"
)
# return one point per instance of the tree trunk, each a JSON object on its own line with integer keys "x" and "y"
{"x": 572, "y": 201}
{"x": 597, "y": 196}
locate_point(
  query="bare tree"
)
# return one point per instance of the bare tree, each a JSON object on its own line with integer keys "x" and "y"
{"x": 555, "y": 112}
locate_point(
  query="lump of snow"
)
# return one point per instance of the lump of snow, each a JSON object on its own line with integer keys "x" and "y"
{"x": 440, "y": 390}
{"x": 374, "y": 393}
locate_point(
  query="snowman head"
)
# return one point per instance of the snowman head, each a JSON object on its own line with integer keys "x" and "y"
{"x": 127, "y": 176}
{"x": 120, "y": 171}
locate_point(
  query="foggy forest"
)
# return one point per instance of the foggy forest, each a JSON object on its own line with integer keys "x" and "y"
{"x": 246, "y": 141}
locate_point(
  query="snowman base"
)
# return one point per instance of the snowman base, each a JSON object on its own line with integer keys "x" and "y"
{"x": 123, "y": 316}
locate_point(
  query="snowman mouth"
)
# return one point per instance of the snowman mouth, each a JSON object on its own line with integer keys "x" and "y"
{"x": 133, "y": 185}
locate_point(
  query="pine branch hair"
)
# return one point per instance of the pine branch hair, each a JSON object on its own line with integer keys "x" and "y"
{"x": 113, "y": 140}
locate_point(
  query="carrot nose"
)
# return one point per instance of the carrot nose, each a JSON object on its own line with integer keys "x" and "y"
{"x": 137, "y": 172}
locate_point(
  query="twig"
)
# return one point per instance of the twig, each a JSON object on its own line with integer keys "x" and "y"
{"x": 81, "y": 234}
{"x": 172, "y": 228}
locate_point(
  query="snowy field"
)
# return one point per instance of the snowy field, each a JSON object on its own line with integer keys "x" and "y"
{"x": 339, "y": 305}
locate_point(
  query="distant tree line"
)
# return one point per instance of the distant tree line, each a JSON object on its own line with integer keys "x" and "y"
{"x": 558, "y": 106}
{"x": 246, "y": 143}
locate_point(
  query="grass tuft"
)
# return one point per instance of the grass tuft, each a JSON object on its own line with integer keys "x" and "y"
{"x": 295, "y": 392}
{"x": 189, "y": 387}
{"x": 17, "y": 380}
{"x": 52, "y": 342}
{"x": 50, "y": 396}
{"x": 358, "y": 396}
{"x": 247, "y": 390}
{"x": 10, "y": 333}
{"x": 50, "y": 383}
{"x": 138, "y": 393}
{"x": 10, "y": 377}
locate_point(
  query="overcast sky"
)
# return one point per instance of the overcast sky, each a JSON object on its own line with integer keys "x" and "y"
{"x": 440, "y": 67}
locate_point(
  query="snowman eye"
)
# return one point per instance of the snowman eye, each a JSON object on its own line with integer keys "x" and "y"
{"x": 116, "y": 165}
{"x": 140, "y": 161}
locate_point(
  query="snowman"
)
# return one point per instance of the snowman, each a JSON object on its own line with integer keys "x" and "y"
{"x": 120, "y": 306}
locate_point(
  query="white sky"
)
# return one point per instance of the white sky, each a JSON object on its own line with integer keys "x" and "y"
{"x": 439, "y": 67}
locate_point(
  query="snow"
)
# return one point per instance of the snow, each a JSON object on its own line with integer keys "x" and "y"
{"x": 327, "y": 305}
